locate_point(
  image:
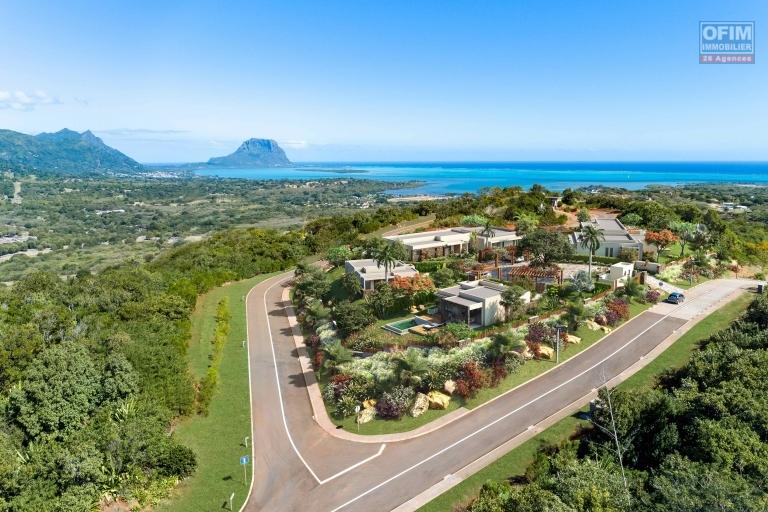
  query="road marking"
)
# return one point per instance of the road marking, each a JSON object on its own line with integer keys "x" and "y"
{"x": 507, "y": 415}
{"x": 282, "y": 407}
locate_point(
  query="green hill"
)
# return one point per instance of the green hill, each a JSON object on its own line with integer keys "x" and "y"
{"x": 63, "y": 152}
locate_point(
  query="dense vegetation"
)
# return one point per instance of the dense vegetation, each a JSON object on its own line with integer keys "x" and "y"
{"x": 696, "y": 442}
{"x": 89, "y": 224}
{"x": 63, "y": 152}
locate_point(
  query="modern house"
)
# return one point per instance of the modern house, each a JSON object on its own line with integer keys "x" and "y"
{"x": 616, "y": 238}
{"x": 618, "y": 273}
{"x": 450, "y": 241}
{"x": 370, "y": 273}
{"x": 476, "y": 303}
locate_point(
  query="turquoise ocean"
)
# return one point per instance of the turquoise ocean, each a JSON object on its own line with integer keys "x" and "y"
{"x": 457, "y": 178}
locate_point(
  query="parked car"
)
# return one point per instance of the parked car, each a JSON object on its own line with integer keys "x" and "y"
{"x": 676, "y": 298}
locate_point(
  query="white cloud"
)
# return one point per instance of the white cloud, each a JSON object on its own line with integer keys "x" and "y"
{"x": 20, "y": 100}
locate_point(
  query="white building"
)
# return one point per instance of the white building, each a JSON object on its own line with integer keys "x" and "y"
{"x": 450, "y": 241}
{"x": 370, "y": 273}
{"x": 615, "y": 238}
{"x": 476, "y": 303}
{"x": 618, "y": 273}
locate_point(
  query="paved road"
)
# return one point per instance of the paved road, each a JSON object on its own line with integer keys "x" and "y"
{"x": 298, "y": 466}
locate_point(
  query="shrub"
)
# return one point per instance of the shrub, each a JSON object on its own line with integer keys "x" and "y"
{"x": 652, "y": 296}
{"x": 619, "y": 308}
{"x": 458, "y": 331}
{"x": 394, "y": 404}
{"x": 472, "y": 379}
{"x": 351, "y": 317}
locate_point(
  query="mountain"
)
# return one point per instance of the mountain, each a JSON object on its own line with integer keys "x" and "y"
{"x": 254, "y": 153}
{"x": 63, "y": 152}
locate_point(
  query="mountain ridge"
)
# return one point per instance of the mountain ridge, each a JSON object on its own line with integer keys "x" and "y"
{"x": 63, "y": 152}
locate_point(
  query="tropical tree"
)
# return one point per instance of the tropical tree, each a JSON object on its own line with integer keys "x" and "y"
{"x": 511, "y": 300}
{"x": 387, "y": 254}
{"x": 412, "y": 366}
{"x": 632, "y": 289}
{"x": 583, "y": 215}
{"x": 686, "y": 231}
{"x": 488, "y": 231}
{"x": 589, "y": 239}
{"x": 336, "y": 256}
{"x": 526, "y": 223}
{"x": 661, "y": 239}
{"x": 547, "y": 247}
{"x": 575, "y": 314}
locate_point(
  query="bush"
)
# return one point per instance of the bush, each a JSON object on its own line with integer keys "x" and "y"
{"x": 394, "y": 404}
{"x": 176, "y": 460}
{"x": 652, "y": 296}
{"x": 351, "y": 317}
{"x": 458, "y": 331}
{"x": 471, "y": 380}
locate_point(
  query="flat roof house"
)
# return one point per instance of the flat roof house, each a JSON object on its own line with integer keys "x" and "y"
{"x": 370, "y": 273}
{"x": 476, "y": 303}
{"x": 616, "y": 237}
{"x": 450, "y": 241}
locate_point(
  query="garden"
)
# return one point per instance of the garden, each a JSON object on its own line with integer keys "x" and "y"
{"x": 374, "y": 381}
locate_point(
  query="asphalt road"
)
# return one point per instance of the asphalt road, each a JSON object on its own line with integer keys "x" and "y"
{"x": 298, "y": 466}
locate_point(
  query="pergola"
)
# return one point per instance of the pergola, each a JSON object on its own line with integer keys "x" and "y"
{"x": 530, "y": 272}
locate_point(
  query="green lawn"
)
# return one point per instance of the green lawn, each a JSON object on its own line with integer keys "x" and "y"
{"x": 217, "y": 439}
{"x": 531, "y": 369}
{"x": 672, "y": 253}
{"x": 517, "y": 460}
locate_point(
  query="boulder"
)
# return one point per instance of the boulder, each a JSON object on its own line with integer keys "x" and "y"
{"x": 449, "y": 387}
{"x": 369, "y": 404}
{"x": 592, "y": 325}
{"x": 605, "y": 329}
{"x": 438, "y": 400}
{"x": 547, "y": 352}
{"x": 366, "y": 415}
{"x": 420, "y": 405}
{"x": 573, "y": 339}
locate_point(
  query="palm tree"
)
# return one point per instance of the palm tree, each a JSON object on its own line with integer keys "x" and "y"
{"x": 412, "y": 366}
{"x": 488, "y": 231}
{"x": 590, "y": 239}
{"x": 574, "y": 314}
{"x": 632, "y": 289}
{"x": 387, "y": 254}
{"x": 335, "y": 355}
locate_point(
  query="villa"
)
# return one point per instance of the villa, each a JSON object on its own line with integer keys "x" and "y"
{"x": 453, "y": 241}
{"x": 476, "y": 303}
{"x": 370, "y": 273}
{"x": 616, "y": 238}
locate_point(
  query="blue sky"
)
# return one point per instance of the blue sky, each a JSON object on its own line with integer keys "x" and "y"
{"x": 377, "y": 81}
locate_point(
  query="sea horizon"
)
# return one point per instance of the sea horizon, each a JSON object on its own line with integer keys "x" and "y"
{"x": 441, "y": 178}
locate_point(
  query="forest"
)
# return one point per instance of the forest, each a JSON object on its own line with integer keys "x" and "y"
{"x": 93, "y": 369}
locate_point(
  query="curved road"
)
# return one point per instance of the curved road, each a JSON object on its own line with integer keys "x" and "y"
{"x": 299, "y": 466}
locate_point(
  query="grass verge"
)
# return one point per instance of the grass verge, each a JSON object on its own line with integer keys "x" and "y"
{"x": 517, "y": 460}
{"x": 217, "y": 439}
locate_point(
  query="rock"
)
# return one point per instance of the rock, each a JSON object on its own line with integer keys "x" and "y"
{"x": 573, "y": 339}
{"x": 369, "y": 404}
{"x": 366, "y": 415}
{"x": 592, "y": 325}
{"x": 605, "y": 329}
{"x": 254, "y": 152}
{"x": 449, "y": 387}
{"x": 438, "y": 400}
{"x": 420, "y": 405}
{"x": 547, "y": 352}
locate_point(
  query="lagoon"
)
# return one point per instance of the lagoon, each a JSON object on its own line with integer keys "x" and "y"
{"x": 459, "y": 177}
